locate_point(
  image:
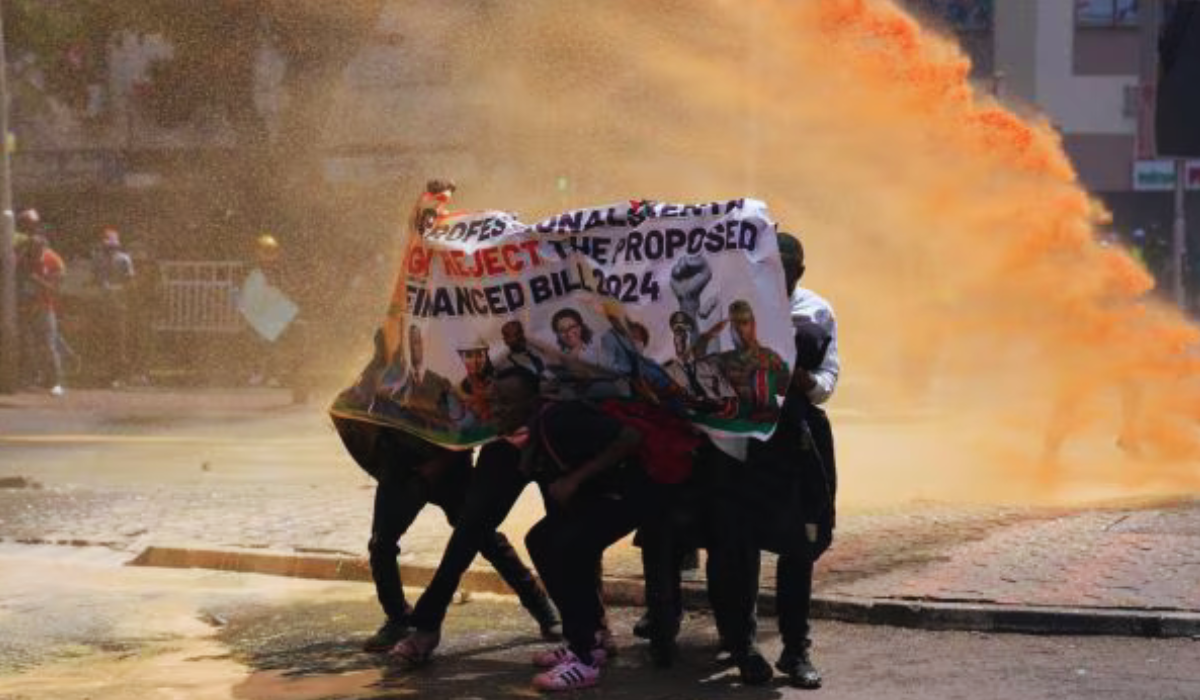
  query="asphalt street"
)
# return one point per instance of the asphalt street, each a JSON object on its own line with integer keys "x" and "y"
{"x": 76, "y": 625}
{"x": 88, "y": 483}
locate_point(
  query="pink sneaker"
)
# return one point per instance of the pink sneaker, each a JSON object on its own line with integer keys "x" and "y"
{"x": 558, "y": 655}
{"x": 571, "y": 674}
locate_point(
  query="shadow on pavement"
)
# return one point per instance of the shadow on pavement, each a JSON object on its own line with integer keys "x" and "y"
{"x": 311, "y": 652}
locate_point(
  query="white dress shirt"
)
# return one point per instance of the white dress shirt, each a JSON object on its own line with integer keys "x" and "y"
{"x": 807, "y": 305}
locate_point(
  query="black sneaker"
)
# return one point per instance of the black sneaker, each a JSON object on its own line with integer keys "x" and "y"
{"x": 387, "y": 636}
{"x": 753, "y": 666}
{"x": 798, "y": 667}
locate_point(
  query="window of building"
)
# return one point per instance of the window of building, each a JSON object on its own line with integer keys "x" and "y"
{"x": 959, "y": 14}
{"x": 1106, "y": 13}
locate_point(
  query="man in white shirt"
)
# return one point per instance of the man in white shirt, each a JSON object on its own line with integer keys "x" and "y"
{"x": 803, "y": 445}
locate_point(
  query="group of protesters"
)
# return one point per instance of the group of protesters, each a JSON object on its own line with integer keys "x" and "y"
{"x": 600, "y": 481}
{"x": 40, "y": 270}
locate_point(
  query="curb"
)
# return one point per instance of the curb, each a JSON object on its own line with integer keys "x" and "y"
{"x": 991, "y": 617}
{"x": 914, "y": 614}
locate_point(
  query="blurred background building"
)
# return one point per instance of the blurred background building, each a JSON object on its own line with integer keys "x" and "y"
{"x": 118, "y": 147}
{"x": 194, "y": 131}
{"x": 1080, "y": 62}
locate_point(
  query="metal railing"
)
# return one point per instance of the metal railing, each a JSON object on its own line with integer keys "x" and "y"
{"x": 199, "y": 297}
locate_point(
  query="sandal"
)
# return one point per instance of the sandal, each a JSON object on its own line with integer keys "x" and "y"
{"x": 417, "y": 648}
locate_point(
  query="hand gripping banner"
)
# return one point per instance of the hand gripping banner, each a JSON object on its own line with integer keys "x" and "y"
{"x": 678, "y": 305}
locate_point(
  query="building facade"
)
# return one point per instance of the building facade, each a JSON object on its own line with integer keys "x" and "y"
{"x": 1088, "y": 66}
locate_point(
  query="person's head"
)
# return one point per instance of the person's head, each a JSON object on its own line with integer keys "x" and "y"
{"x": 416, "y": 346}
{"x": 683, "y": 329}
{"x": 741, "y": 317}
{"x": 791, "y": 254}
{"x": 110, "y": 237}
{"x": 29, "y": 219}
{"x": 640, "y": 335}
{"x": 571, "y": 331}
{"x": 513, "y": 398}
{"x": 266, "y": 248}
{"x": 513, "y": 334}
{"x": 476, "y": 360}
{"x": 440, "y": 187}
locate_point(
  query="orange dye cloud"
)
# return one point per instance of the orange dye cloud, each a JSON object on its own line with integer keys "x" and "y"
{"x": 993, "y": 346}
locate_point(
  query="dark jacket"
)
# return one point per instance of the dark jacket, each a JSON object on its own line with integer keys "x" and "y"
{"x": 793, "y": 475}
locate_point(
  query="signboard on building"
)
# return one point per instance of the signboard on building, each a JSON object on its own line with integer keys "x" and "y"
{"x": 1159, "y": 175}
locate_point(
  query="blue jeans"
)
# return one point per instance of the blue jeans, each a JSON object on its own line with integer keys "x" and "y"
{"x": 43, "y": 344}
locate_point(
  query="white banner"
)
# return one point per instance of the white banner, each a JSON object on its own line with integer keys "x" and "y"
{"x": 678, "y": 305}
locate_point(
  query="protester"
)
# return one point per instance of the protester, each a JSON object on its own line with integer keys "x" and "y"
{"x": 280, "y": 362}
{"x": 143, "y": 297}
{"x": 776, "y": 495}
{"x": 594, "y": 462}
{"x": 578, "y": 456}
{"x": 410, "y": 473}
{"x": 494, "y": 487}
{"x": 28, "y": 224}
{"x": 798, "y": 459}
{"x": 40, "y": 271}
{"x": 113, "y": 273}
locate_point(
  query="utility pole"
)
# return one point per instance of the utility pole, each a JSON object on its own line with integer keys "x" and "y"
{"x": 10, "y": 343}
{"x": 1150, "y": 16}
{"x": 1179, "y": 236}
{"x": 1182, "y": 40}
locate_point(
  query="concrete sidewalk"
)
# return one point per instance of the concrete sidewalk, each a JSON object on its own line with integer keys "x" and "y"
{"x": 242, "y": 480}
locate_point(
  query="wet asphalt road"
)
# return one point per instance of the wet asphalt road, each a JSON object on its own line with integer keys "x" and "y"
{"x": 76, "y": 624}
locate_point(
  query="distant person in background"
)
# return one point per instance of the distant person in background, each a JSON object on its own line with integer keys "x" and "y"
{"x": 29, "y": 224}
{"x": 112, "y": 272}
{"x": 280, "y": 362}
{"x": 39, "y": 272}
{"x": 143, "y": 306}
{"x": 1137, "y": 246}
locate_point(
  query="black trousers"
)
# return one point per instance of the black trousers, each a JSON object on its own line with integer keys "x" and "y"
{"x": 475, "y": 501}
{"x": 399, "y": 497}
{"x": 666, "y": 534}
{"x": 496, "y": 483}
{"x": 793, "y": 598}
{"x": 733, "y": 564}
{"x": 567, "y": 547}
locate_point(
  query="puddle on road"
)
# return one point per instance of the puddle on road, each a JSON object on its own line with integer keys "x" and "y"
{"x": 193, "y": 668}
{"x": 310, "y": 651}
{"x": 76, "y": 624}
{"x": 278, "y": 684}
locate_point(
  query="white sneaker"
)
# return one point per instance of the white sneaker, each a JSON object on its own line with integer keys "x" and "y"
{"x": 571, "y": 674}
{"x": 58, "y": 390}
